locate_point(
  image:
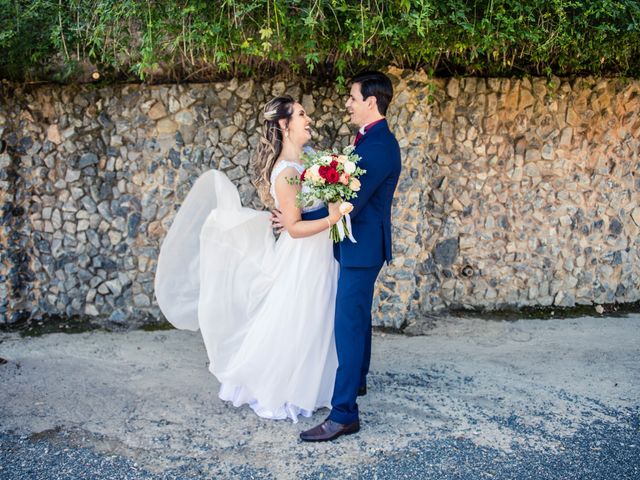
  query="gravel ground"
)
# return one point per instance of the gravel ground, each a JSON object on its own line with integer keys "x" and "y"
{"x": 474, "y": 399}
{"x": 598, "y": 451}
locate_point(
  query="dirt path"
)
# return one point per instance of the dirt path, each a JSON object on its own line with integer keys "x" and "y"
{"x": 469, "y": 397}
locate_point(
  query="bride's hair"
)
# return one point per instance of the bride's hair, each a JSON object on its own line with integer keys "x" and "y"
{"x": 270, "y": 145}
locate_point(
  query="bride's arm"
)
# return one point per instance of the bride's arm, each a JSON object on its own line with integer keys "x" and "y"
{"x": 291, "y": 217}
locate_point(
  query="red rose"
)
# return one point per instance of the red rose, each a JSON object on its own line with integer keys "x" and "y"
{"x": 332, "y": 176}
{"x": 302, "y": 175}
{"x": 323, "y": 171}
{"x": 333, "y": 164}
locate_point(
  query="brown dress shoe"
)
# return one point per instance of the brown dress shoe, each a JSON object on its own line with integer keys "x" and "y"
{"x": 329, "y": 430}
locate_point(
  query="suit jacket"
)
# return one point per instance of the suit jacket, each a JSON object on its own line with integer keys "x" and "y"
{"x": 371, "y": 215}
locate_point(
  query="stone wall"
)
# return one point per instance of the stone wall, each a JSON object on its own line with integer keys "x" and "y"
{"x": 513, "y": 193}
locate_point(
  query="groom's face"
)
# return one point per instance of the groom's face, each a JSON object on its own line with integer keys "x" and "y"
{"x": 357, "y": 107}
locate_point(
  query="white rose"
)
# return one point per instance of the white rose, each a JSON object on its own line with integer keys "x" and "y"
{"x": 313, "y": 174}
{"x": 349, "y": 167}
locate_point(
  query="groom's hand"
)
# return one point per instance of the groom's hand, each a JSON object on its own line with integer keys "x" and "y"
{"x": 276, "y": 220}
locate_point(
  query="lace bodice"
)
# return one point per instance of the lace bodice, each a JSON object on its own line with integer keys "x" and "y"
{"x": 277, "y": 170}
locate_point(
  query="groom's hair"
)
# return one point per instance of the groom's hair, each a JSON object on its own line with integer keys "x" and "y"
{"x": 375, "y": 84}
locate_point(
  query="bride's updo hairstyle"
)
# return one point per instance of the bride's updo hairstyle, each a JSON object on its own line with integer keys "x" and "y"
{"x": 270, "y": 145}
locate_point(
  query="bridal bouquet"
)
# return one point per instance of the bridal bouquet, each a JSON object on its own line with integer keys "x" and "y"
{"x": 332, "y": 177}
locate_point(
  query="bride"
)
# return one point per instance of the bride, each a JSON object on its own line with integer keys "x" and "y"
{"x": 265, "y": 308}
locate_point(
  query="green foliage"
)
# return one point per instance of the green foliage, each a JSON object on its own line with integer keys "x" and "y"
{"x": 159, "y": 40}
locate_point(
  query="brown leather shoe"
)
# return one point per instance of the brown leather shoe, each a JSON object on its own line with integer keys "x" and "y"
{"x": 329, "y": 430}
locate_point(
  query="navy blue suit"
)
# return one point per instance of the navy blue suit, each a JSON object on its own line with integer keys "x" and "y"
{"x": 360, "y": 264}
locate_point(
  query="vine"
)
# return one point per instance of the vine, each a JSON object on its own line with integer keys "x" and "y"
{"x": 195, "y": 40}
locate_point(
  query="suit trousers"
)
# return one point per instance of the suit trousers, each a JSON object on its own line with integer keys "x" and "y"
{"x": 353, "y": 338}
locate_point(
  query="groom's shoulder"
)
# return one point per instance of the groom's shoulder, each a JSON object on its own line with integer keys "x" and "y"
{"x": 386, "y": 135}
{"x": 387, "y": 141}
{"x": 383, "y": 153}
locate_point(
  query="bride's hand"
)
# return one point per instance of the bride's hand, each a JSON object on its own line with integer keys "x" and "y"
{"x": 334, "y": 212}
{"x": 276, "y": 221}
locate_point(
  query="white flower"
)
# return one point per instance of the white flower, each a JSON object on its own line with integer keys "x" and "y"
{"x": 313, "y": 174}
{"x": 349, "y": 167}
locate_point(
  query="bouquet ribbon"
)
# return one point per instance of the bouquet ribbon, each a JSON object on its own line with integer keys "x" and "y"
{"x": 344, "y": 228}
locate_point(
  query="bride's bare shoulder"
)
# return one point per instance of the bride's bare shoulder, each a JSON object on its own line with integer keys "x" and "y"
{"x": 283, "y": 171}
{"x": 285, "y": 176}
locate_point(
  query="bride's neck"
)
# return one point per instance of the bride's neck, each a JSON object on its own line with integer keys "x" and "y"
{"x": 290, "y": 152}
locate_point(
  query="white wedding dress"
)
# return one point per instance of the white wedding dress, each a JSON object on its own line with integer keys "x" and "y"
{"x": 265, "y": 308}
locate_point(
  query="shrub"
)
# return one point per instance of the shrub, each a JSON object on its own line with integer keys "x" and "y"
{"x": 160, "y": 40}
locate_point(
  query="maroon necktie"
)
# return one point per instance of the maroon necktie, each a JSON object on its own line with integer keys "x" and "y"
{"x": 358, "y": 137}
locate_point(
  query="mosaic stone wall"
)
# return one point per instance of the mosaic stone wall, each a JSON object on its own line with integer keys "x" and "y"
{"x": 514, "y": 192}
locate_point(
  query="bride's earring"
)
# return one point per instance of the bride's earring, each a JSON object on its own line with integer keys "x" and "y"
{"x": 286, "y": 133}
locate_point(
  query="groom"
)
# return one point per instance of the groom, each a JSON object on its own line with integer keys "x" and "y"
{"x": 360, "y": 262}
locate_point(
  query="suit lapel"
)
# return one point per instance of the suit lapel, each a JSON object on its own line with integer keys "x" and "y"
{"x": 373, "y": 131}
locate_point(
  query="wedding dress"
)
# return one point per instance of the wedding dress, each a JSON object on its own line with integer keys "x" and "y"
{"x": 265, "y": 308}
